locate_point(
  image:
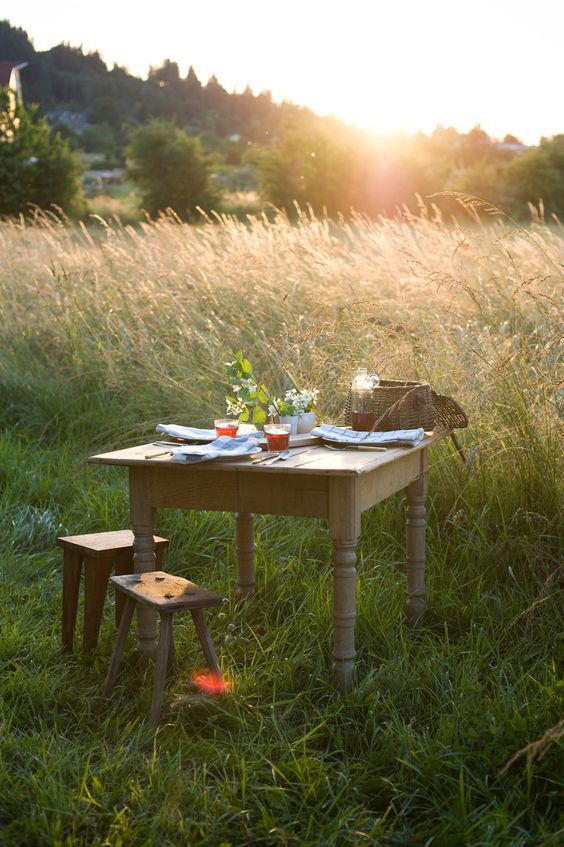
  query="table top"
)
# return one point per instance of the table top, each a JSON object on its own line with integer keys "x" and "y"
{"x": 311, "y": 460}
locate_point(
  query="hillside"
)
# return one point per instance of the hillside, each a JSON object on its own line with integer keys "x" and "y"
{"x": 260, "y": 152}
{"x": 95, "y": 106}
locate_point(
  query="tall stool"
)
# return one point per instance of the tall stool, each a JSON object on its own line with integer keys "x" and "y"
{"x": 165, "y": 594}
{"x": 99, "y": 552}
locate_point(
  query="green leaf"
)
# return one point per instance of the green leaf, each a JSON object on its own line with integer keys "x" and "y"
{"x": 285, "y": 408}
{"x": 259, "y": 416}
{"x": 244, "y": 416}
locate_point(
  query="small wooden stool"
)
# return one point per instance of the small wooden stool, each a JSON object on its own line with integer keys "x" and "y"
{"x": 99, "y": 552}
{"x": 165, "y": 594}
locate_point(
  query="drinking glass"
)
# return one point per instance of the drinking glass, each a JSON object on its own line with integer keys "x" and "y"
{"x": 277, "y": 437}
{"x": 226, "y": 427}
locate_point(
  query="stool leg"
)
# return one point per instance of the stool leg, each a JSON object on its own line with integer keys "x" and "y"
{"x": 72, "y": 562}
{"x": 123, "y": 564}
{"x": 160, "y": 672}
{"x": 96, "y": 575}
{"x": 125, "y": 623}
{"x": 159, "y": 554}
{"x": 172, "y": 653}
{"x": 205, "y": 640}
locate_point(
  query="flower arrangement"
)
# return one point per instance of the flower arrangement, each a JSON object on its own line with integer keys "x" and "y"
{"x": 295, "y": 402}
{"x": 251, "y": 400}
{"x": 249, "y": 397}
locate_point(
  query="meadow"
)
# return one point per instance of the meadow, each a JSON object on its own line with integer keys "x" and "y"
{"x": 107, "y": 331}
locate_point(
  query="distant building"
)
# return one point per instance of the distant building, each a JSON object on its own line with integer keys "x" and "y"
{"x": 97, "y": 180}
{"x": 515, "y": 147}
{"x": 10, "y": 77}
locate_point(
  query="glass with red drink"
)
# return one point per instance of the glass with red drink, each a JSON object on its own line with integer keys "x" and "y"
{"x": 226, "y": 427}
{"x": 277, "y": 437}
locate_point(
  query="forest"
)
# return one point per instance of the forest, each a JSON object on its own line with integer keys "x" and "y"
{"x": 254, "y": 152}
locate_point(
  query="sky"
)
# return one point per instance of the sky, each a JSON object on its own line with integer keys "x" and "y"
{"x": 386, "y": 65}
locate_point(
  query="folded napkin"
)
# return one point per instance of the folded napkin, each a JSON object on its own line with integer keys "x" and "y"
{"x": 191, "y": 433}
{"x": 395, "y": 438}
{"x": 223, "y": 447}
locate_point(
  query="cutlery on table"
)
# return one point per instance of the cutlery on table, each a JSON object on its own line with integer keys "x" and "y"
{"x": 373, "y": 447}
{"x": 269, "y": 459}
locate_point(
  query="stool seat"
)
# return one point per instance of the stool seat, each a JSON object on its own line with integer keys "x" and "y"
{"x": 97, "y": 553}
{"x": 165, "y": 594}
{"x": 101, "y": 545}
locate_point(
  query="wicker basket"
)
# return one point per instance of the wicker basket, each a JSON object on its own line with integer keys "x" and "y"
{"x": 405, "y": 404}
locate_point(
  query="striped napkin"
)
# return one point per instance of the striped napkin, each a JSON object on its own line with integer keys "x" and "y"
{"x": 395, "y": 438}
{"x": 223, "y": 447}
{"x": 192, "y": 433}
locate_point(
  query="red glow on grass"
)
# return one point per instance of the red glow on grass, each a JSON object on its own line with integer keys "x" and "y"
{"x": 211, "y": 683}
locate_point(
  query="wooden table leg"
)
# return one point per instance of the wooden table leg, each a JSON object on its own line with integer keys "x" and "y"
{"x": 245, "y": 554}
{"x": 416, "y": 523}
{"x": 344, "y": 527}
{"x": 144, "y": 559}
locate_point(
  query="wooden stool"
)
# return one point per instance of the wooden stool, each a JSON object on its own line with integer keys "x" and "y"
{"x": 165, "y": 594}
{"x": 99, "y": 552}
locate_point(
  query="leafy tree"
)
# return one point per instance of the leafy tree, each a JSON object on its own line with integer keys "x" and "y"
{"x": 170, "y": 169}
{"x": 15, "y": 43}
{"x": 482, "y": 179}
{"x": 36, "y": 167}
{"x": 475, "y": 146}
{"x": 538, "y": 174}
{"x": 167, "y": 73}
{"x": 306, "y": 165}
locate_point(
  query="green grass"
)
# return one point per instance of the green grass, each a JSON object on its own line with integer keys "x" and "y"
{"x": 104, "y": 338}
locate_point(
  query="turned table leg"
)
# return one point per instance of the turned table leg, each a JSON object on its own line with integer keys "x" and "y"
{"x": 344, "y": 611}
{"x": 144, "y": 559}
{"x": 344, "y": 527}
{"x": 416, "y": 523}
{"x": 245, "y": 554}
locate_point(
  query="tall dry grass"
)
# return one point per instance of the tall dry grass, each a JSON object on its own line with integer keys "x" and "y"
{"x": 143, "y": 318}
{"x": 106, "y": 332}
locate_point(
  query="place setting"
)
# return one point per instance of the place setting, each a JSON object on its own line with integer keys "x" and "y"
{"x": 267, "y": 429}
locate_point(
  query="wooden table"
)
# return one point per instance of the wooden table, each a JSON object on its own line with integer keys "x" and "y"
{"x": 315, "y": 482}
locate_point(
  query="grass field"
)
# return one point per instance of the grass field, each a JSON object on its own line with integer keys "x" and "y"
{"x": 106, "y": 333}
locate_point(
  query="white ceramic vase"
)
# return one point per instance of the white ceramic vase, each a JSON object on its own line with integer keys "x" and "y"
{"x": 292, "y": 420}
{"x": 306, "y": 423}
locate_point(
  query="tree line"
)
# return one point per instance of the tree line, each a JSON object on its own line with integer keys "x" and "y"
{"x": 186, "y": 143}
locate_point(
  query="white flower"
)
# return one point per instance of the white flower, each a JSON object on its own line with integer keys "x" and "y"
{"x": 235, "y": 408}
{"x": 248, "y": 383}
{"x": 236, "y": 388}
{"x": 272, "y": 409}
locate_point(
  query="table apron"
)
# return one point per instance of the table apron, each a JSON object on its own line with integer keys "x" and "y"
{"x": 375, "y": 487}
{"x": 282, "y": 494}
{"x": 171, "y": 488}
{"x": 274, "y": 494}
